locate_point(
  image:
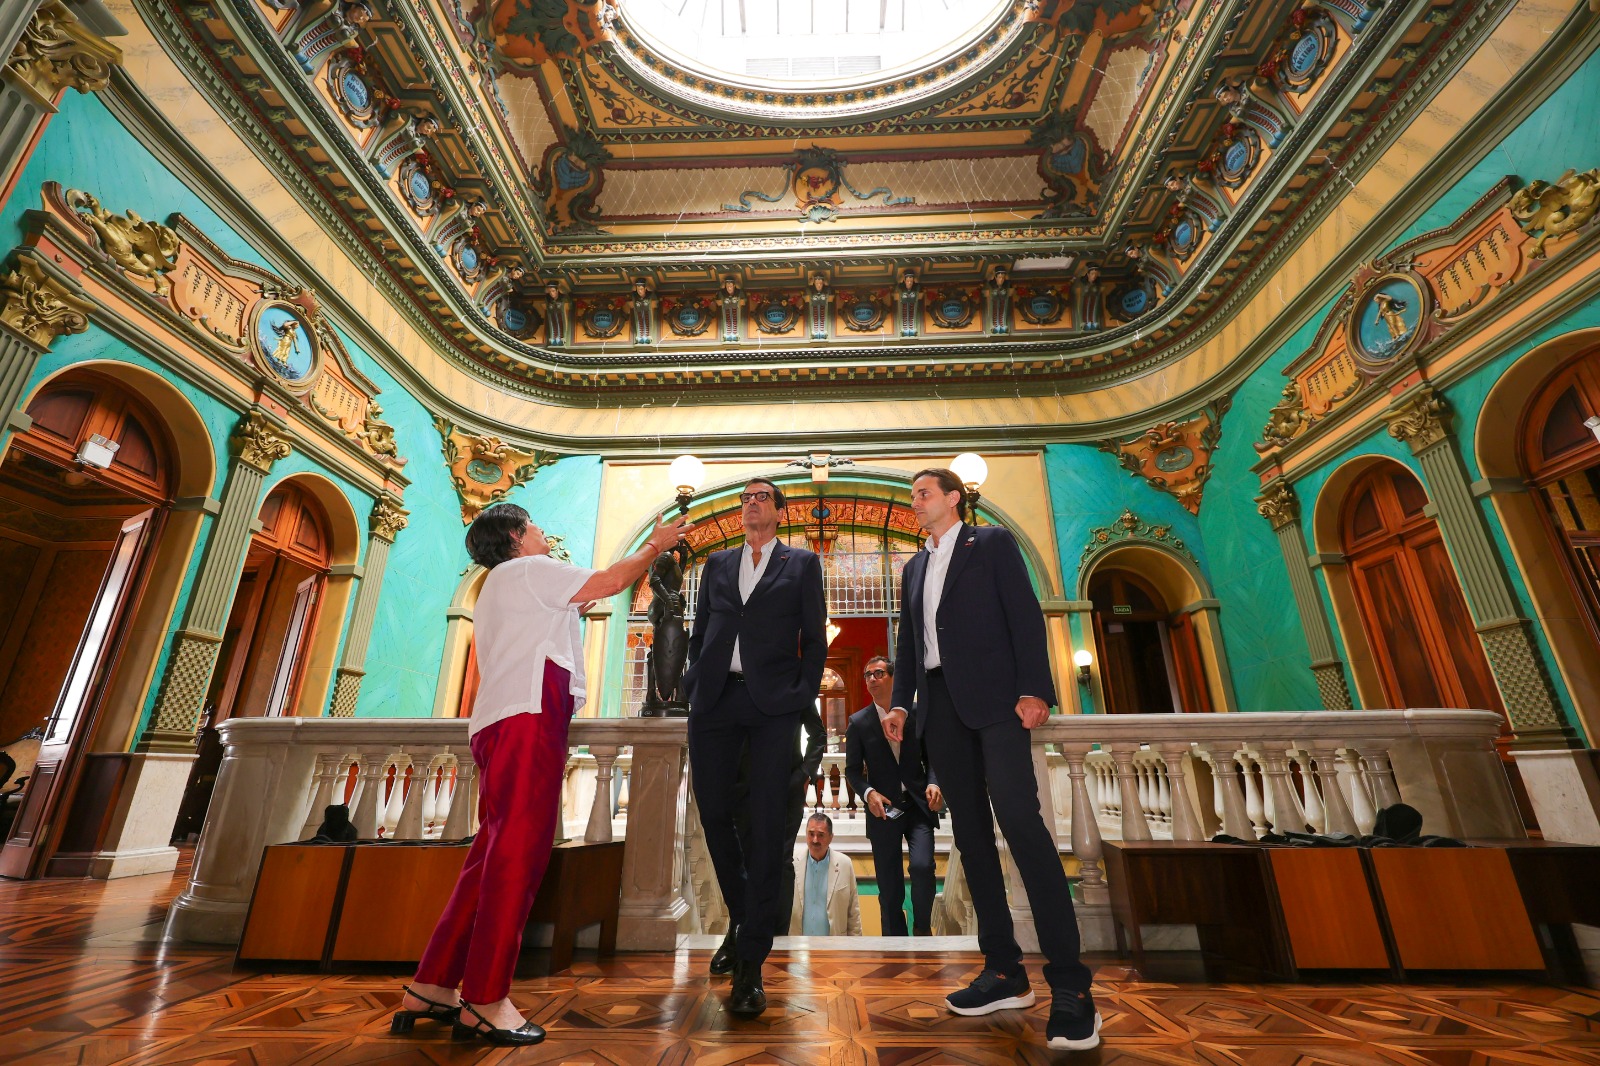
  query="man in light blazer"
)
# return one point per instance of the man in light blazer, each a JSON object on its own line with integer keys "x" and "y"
{"x": 756, "y": 657}
{"x": 826, "y": 894}
{"x": 972, "y": 659}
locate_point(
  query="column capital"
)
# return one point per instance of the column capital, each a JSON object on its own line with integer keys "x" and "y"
{"x": 39, "y": 306}
{"x": 1278, "y": 504}
{"x": 388, "y": 518}
{"x": 1420, "y": 418}
{"x": 257, "y": 440}
{"x": 57, "y": 51}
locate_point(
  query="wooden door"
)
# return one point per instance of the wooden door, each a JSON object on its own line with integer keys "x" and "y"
{"x": 290, "y": 670}
{"x": 1409, "y": 598}
{"x": 1193, "y": 693}
{"x": 73, "y": 715}
{"x": 1561, "y": 458}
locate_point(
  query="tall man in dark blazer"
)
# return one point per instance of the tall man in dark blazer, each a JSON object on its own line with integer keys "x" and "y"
{"x": 973, "y": 661}
{"x": 756, "y": 658}
{"x": 903, "y": 803}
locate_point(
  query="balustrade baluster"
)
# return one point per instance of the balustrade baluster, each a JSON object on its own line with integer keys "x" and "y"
{"x": 1134, "y": 824}
{"x": 397, "y": 796}
{"x": 1339, "y": 818}
{"x": 1254, "y": 808}
{"x": 1163, "y": 788}
{"x": 458, "y": 823}
{"x": 1380, "y": 775}
{"x": 1315, "y": 813}
{"x": 1361, "y": 808}
{"x": 328, "y": 766}
{"x": 1224, "y": 773}
{"x": 1185, "y": 823}
{"x": 1286, "y": 816}
{"x": 409, "y": 825}
{"x": 370, "y": 794}
{"x": 1086, "y": 842}
{"x": 599, "y": 830}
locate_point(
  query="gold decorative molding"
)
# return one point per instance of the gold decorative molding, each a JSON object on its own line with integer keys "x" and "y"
{"x": 57, "y": 52}
{"x": 137, "y": 246}
{"x": 1420, "y": 419}
{"x": 388, "y": 519}
{"x": 485, "y": 469}
{"x": 1555, "y": 210}
{"x": 257, "y": 441}
{"x": 1130, "y": 528}
{"x": 1278, "y": 504}
{"x": 1175, "y": 457}
{"x": 39, "y": 306}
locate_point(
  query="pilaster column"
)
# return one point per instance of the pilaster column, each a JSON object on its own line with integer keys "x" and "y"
{"x": 38, "y": 303}
{"x": 386, "y": 522}
{"x": 1281, "y": 507}
{"x": 257, "y": 443}
{"x": 49, "y": 48}
{"x": 1421, "y": 419}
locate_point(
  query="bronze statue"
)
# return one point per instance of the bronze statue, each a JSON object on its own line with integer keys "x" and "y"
{"x": 669, "y": 647}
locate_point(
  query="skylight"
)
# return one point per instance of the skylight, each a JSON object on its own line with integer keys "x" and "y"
{"x": 802, "y": 44}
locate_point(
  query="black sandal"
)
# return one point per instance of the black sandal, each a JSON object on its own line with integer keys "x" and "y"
{"x": 523, "y": 1035}
{"x": 437, "y": 1012}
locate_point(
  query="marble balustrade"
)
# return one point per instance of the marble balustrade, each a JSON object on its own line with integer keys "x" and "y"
{"x": 414, "y": 779}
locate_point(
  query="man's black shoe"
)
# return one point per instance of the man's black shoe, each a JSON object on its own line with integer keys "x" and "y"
{"x": 992, "y": 991}
{"x": 747, "y": 999}
{"x": 722, "y": 958}
{"x": 1074, "y": 1023}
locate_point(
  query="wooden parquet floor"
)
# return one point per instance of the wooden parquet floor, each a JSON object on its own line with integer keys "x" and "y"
{"x": 82, "y": 980}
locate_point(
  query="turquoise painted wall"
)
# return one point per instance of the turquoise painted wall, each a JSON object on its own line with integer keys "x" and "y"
{"x": 1265, "y": 644}
{"x": 85, "y": 147}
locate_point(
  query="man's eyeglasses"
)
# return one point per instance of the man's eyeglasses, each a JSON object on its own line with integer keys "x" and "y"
{"x": 756, "y": 497}
{"x": 873, "y": 675}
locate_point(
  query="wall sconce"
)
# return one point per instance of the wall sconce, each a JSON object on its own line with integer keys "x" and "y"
{"x": 1082, "y": 660}
{"x": 833, "y": 631}
{"x": 1593, "y": 422}
{"x": 687, "y": 474}
{"x": 973, "y": 471}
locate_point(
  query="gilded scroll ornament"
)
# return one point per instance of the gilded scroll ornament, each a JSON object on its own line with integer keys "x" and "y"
{"x": 1278, "y": 504}
{"x": 40, "y": 307}
{"x": 138, "y": 247}
{"x": 388, "y": 519}
{"x": 377, "y": 434}
{"x": 1130, "y": 527}
{"x": 58, "y": 52}
{"x": 1545, "y": 210}
{"x": 485, "y": 469}
{"x": 1285, "y": 421}
{"x": 1175, "y": 457}
{"x": 257, "y": 441}
{"x": 1420, "y": 420}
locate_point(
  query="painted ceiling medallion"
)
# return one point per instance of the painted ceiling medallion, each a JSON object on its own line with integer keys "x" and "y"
{"x": 285, "y": 343}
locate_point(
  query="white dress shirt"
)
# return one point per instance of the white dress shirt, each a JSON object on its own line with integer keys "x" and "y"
{"x": 749, "y": 577}
{"x": 894, "y": 746}
{"x": 939, "y": 552}
{"x": 525, "y": 616}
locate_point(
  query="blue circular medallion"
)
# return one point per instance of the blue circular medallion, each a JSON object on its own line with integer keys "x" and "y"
{"x": 1304, "y": 55}
{"x": 1042, "y": 306}
{"x": 952, "y": 309}
{"x": 1134, "y": 301}
{"x": 421, "y": 187}
{"x": 1173, "y": 459}
{"x": 468, "y": 258}
{"x": 356, "y": 91}
{"x": 285, "y": 342}
{"x": 514, "y": 320}
{"x": 604, "y": 318}
{"x": 1236, "y": 157}
{"x": 774, "y": 314}
{"x": 863, "y": 312}
{"x": 484, "y": 472}
{"x": 1388, "y": 318}
{"x": 688, "y": 317}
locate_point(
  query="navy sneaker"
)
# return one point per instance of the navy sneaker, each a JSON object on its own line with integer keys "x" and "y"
{"x": 992, "y": 991}
{"x": 1074, "y": 1023}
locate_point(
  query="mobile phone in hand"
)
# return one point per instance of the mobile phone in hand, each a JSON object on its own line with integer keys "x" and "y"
{"x": 892, "y": 812}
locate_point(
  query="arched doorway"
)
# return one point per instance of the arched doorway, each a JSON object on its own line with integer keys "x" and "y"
{"x": 1560, "y": 436}
{"x": 262, "y": 663}
{"x": 1409, "y": 598}
{"x": 1150, "y": 659}
{"x": 84, "y": 495}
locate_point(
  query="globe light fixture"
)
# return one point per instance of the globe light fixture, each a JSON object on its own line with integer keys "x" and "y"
{"x": 686, "y": 474}
{"x": 973, "y": 471}
{"x": 1082, "y": 660}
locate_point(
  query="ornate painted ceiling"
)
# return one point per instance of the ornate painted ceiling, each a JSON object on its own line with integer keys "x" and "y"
{"x": 1066, "y": 195}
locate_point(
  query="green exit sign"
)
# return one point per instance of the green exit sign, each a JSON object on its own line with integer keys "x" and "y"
{"x": 1122, "y": 608}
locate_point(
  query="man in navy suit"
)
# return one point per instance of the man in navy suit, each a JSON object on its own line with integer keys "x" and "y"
{"x": 756, "y": 658}
{"x": 973, "y": 660}
{"x": 903, "y": 800}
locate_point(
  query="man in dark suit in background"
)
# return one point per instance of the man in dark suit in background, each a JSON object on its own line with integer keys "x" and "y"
{"x": 973, "y": 660}
{"x": 756, "y": 660}
{"x": 903, "y": 800}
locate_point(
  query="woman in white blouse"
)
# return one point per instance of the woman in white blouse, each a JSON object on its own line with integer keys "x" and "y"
{"x": 530, "y": 664}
